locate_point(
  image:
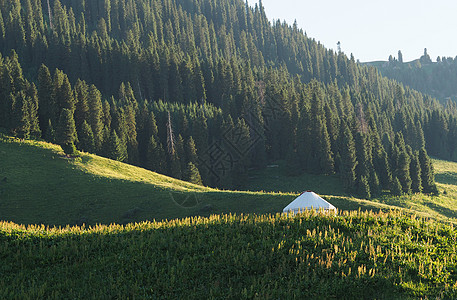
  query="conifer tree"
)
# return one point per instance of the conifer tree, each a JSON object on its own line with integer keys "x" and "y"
{"x": 326, "y": 156}
{"x": 396, "y": 187}
{"x": 50, "y": 134}
{"x": 106, "y": 119}
{"x": 86, "y": 138}
{"x": 191, "y": 151}
{"x": 131, "y": 135}
{"x": 64, "y": 95}
{"x": 32, "y": 94}
{"x": 363, "y": 166}
{"x": 146, "y": 126}
{"x": 375, "y": 186}
{"x": 21, "y": 118}
{"x": 384, "y": 171}
{"x": 95, "y": 114}
{"x": 46, "y": 109}
{"x": 401, "y": 162}
{"x": 348, "y": 156}
{"x": 192, "y": 174}
{"x": 180, "y": 152}
{"x": 363, "y": 187}
{"x": 66, "y": 132}
{"x": 155, "y": 155}
{"x": 81, "y": 106}
{"x": 428, "y": 178}
{"x": 416, "y": 174}
{"x": 403, "y": 173}
{"x": 174, "y": 165}
{"x": 200, "y": 131}
{"x": 117, "y": 150}
{"x": 106, "y": 133}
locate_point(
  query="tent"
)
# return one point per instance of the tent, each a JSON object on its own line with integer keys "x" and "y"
{"x": 309, "y": 200}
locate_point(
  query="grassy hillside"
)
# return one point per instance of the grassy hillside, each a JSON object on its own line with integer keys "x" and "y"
{"x": 442, "y": 207}
{"x": 309, "y": 256}
{"x": 42, "y": 185}
{"x": 353, "y": 254}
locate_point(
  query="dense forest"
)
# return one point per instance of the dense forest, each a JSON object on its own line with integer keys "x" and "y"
{"x": 438, "y": 79}
{"x": 203, "y": 90}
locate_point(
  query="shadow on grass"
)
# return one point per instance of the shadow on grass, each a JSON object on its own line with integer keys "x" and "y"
{"x": 442, "y": 210}
{"x": 447, "y": 178}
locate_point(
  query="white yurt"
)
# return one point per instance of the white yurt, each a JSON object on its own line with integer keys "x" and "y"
{"x": 309, "y": 200}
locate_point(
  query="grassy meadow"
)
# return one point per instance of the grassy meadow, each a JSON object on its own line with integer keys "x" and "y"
{"x": 307, "y": 256}
{"x": 215, "y": 244}
{"x": 442, "y": 207}
{"x": 43, "y": 186}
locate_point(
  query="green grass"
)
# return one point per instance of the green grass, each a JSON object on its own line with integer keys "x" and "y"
{"x": 43, "y": 186}
{"x": 253, "y": 253}
{"x": 308, "y": 256}
{"x": 442, "y": 207}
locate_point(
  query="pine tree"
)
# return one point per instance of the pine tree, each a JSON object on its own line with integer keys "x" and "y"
{"x": 428, "y": 178}
{"x": 363, "y": 167}
{"x": 117, "y": 150}
{"x": 32, "y": 94}
{"x": 400, "y": 57}
{"x": 81, "y": 106}
{"x": 155, "y": 156}
{"x": 95, "y": 114}
{"x": 50, "y": 134}
{"x": 66, "y": 132}
{"x": 348, "y": 156}
{"x": 46, "y": 109}
{"x": 375, "y": 186}
{"x": 363, "y": 187}
{"x": 86, "y": 138}
{"x": 200, "y": 131}
{"x": 396, "y": 187}
{"x": 106, "y": 116}
{"x": 174, "y": 165}
{"x": 21, "y": 117}
{"x": 403, "y": 173}
{"x": 65, "y": 97}
{"x": 326, "y": 156}
{"x": 416, "y": 176}
{"x": 180, "y": 152}
{"x": 383, "y": 167}
{"x": 191, "y": 151}
{"x": 401, "y": 162}
{"x": 131, "y": 135}
{"x": 192, "y": 174}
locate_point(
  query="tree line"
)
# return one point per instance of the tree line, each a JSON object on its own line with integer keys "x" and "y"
{"x": 438, "y": 78}
{"x": 205, "y": 90}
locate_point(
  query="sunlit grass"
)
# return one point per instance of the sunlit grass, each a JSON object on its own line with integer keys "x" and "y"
{"x": 45, "y": 186}
{"x": 351, "y": 255}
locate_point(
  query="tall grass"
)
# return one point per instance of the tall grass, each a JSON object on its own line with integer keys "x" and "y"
{"x": 348, "y": 255}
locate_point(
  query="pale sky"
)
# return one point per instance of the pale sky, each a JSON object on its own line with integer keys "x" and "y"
{"x": 373, "y": 30}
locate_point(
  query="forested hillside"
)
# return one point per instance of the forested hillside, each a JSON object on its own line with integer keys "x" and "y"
{"x": 204, "y": 90}
{"x": 438, "y": 79}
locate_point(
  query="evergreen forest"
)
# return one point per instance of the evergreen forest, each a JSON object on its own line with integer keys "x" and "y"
{"x": 204, "y": 90}
{"x": 436, "y": 78}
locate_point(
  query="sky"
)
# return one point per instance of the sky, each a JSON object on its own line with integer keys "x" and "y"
{"x": 373, "y": 30}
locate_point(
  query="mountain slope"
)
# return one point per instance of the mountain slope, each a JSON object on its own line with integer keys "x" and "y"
{"x": 42, "y": 185}
{"x": 437, "y": 79}
{"x": 221, "y": 76}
